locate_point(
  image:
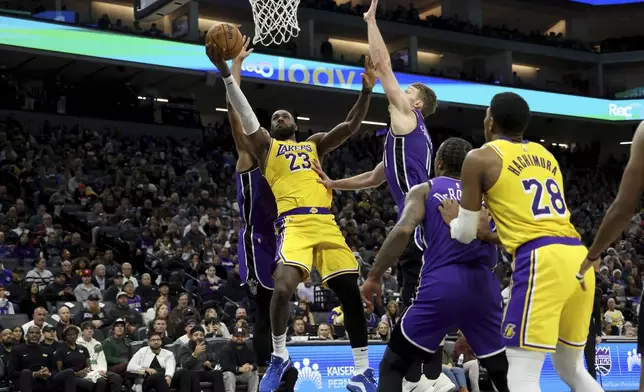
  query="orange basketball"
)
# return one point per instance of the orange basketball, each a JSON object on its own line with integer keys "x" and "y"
{"x": 226, "y": 37}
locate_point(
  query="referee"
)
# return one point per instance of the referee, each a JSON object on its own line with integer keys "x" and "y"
{"x": 594, "y": 333}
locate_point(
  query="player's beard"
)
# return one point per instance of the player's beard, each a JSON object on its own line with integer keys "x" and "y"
{"x": 283, "y": 132}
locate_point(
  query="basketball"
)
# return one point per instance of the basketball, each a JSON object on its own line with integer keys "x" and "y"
{"x": 226, "y": 37}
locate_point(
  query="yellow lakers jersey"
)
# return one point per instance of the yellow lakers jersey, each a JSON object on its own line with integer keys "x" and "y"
{"x": 289, "y": 173}
{"x": 527, "y": 201}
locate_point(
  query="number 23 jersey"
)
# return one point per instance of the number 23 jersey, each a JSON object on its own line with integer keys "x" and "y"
{"x": 289, "y": 172}
{"x": 527, "y": 201}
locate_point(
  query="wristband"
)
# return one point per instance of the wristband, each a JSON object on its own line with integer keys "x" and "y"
{"x": 366, "y": 90}
{"x": 580, "y": 277}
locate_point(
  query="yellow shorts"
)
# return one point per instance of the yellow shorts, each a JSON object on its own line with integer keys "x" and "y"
{"x": 547, "y": 305}
{"x": 307, "y": 240}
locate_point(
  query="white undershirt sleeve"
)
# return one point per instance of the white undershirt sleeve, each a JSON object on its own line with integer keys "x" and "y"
{"x": 238, "y": 100}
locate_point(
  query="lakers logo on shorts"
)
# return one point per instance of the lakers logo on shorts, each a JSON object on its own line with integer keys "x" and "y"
{"x": 509, "y": 331}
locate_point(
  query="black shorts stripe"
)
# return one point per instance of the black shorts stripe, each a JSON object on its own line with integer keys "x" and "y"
{"x": 399, "y": 157}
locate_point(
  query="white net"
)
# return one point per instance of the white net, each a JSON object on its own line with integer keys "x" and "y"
{"x": 275, "y": 21}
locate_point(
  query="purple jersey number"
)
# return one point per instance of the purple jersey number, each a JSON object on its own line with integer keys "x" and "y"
{"x": 306, "y": 162}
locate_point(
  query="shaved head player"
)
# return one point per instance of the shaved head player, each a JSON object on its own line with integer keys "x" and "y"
{"x": 619, "y": 216}
{"x": 522, "y": 185}
{"x": 307, "y": 232}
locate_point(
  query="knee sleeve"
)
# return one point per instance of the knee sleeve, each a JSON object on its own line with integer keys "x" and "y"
{"x": 524, "y": 369}
{"x": 568, "y": 364}
{"x": 346, "y": 288}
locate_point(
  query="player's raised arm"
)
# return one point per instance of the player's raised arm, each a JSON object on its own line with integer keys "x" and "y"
{"x": 619, "y": 214}
{"x": 259, "y": 140}
{"x": 366, "y": 180}
{"x": 329, "y": 141}
{"x": 245, "y": 159}
{"x": 401, "y": 112}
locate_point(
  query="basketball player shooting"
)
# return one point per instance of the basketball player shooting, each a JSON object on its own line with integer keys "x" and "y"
{"x": 523, "y": 188}
{"x": 307, "y": 232}
{"x": 256, "y": 247}
{"x": 618, "y": 216}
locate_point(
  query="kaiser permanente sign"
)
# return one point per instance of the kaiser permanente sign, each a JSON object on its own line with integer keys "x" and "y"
{"x": 73, "y": 40}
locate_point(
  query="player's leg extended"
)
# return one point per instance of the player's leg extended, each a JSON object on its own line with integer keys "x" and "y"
{"x": 574, "y": 325}
{"x": 482, "y": 323}
{"x": 294, "y": 261}
{"x": 262, "y": 327}
{"x": 531, "y": 319}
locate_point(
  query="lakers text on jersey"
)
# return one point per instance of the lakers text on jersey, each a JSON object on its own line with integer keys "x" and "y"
{"x": 547, "y": 304}
{"x": 307, "y": 234}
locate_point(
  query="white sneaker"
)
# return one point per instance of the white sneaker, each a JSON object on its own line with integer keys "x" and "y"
{"x": 423, "y": 385}
{"x": 443, "y": 384}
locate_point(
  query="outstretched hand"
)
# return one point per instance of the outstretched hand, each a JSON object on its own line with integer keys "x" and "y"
{"x": 245, "y": 52}
{"x": 216, "y": 56}
{"x": 483, "y": 229}
{"x": 370, "y": 15}
{"x": 369, "y": 76}
{"x": 324, "y": 179}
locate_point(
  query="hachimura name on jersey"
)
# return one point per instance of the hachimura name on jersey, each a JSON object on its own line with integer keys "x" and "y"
{"x": 547, "y": 305}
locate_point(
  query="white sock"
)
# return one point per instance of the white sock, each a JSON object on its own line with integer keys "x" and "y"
{"x": 279, "y": 346}
{"x": 361, "y": 359}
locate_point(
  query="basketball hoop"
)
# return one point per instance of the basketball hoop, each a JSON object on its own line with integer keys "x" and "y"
{"x": 275, "y": 21}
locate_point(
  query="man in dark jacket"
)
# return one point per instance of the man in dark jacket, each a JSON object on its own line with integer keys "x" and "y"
{"x": 115, "y": 288}
{"x": 58, "y": 290}
{"x": 197, "y": 357}
{"x": 238, "y": 363}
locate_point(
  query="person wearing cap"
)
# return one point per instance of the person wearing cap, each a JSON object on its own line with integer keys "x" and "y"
{"x": 92, "y": 312}
{"x": 159, "y": 367}
{"x": 115, "y": 288}
{"x": 49, "y": 338}
{"x": 32, "y": 367}
{"x": 122, "y": 308}
{"x": 97, "y": 356}
{"x": 86, "y": 288}
{"x": 117, "y": 348}
{"x": 198, "y": 357}
{"x": 187, "y": 327}
{"x": 238, "y": 363}
{"x": 76, "y": 357}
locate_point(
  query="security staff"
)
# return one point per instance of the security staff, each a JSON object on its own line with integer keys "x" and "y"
{"x": 76, "y": 357}
{"x": 32, "y": 367}
{"x": 595, "y": 332}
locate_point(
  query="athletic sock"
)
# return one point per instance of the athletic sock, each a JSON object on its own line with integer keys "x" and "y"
{"x": 279, "y": 346}
{"x": 361, "y": 359}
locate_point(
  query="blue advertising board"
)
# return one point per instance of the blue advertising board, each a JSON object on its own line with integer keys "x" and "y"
{"x": 327, "y": 368}
{"x": 77, "y": 41}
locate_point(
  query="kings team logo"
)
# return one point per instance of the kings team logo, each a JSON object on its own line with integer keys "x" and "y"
{"x": 603, "y": 361}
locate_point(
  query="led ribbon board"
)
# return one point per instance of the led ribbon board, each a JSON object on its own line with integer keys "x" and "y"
{"x": 607, "y": 2}
{"x": 79, "y": 41}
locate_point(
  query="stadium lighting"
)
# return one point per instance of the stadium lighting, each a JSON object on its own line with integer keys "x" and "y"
{"x": 374, "y": 123}
{"x": 221, "y": 110}
{"x": 141, "y": 98}
{"x": 542, "y": 140}
{"x": 160, "y": 99}
{"x": 624, "y": 143}
{"x": 303, "y": 118}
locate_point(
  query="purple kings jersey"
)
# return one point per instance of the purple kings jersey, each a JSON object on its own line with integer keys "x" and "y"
{"x": 256, "y": 201}
{"x": 407, "y": 160}
{"x": 441, "y": 250}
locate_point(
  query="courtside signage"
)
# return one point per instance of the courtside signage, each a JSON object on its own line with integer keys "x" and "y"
{"x": 73, "y": 40}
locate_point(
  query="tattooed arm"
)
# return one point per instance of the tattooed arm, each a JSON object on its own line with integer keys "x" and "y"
{"x": 396, "y": 242}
